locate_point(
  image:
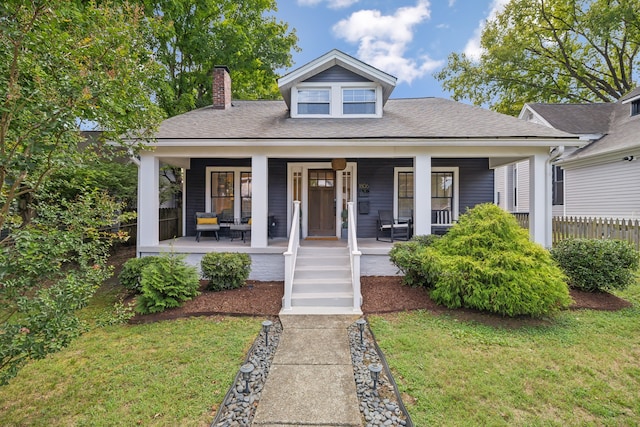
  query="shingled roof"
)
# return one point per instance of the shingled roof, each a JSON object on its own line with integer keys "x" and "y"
{"x": 620, "y": 131}
{"x": 424, "y": 118}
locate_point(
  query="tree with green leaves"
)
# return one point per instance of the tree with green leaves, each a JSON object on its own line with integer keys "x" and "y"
{"x": 62, "y": 64}
{"x": 555, "y": 51}
{"x": 190, "y": 37}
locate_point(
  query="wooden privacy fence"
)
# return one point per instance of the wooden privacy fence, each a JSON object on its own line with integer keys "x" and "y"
{"x": 169, "y": 223}
{"x": 596, "y": 228}
{"x": 590, "y": 228}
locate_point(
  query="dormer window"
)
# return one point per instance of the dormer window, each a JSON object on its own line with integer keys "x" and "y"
{"x": 314, "y": 101}
{"x": 350, "y": 99}
{"x": 635, "y": 107}
{"x": 358, "y": 101}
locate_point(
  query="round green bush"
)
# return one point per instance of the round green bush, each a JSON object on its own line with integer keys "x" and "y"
{"x": 225, "y": 270}
{"x": 487, "y": 262}
{"x": 597, "y": 264}
{"x": 131, "y": 272}
{"x": 167, "y": 282}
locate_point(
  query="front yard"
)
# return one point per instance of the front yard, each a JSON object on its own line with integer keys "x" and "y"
{"x": 579, "y": 368}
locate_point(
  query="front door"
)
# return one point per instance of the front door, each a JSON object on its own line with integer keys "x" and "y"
{"x": 322, "y": 197}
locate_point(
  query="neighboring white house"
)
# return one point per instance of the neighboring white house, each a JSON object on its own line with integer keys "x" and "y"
{"x": 599, "y": 179}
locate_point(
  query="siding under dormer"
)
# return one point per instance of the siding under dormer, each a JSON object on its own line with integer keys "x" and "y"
{"x": 337, "y": 74}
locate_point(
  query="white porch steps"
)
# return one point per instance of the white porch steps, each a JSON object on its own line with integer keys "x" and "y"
{"x": 322, "y": 282}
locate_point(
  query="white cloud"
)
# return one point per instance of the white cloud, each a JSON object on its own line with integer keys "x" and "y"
{"x": 451, "y": 3}
{"x": 473, "y": 49}
{"x": 383, "y": 39}
{"x": 332, "y": 4}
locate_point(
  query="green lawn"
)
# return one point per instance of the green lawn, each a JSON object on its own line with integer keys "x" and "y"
{"x": 581, "y": 368}
{"x": 162, "y": 374}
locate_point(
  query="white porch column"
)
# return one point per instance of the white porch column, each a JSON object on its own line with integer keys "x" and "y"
{"x": 539, "y": 200}
{"x": 259, "y": 201}
{"x": 422, "y": 195}
{"x": 148, "y": 200}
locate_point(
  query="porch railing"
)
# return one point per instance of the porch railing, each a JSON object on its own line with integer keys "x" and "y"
{"x": 354, "y": 257}
{"x": 290, "y": 256}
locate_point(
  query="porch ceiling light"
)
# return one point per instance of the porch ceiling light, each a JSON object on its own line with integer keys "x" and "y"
{"x": 246, "y": 370}
{"x": 374, "y": 370}
{"x": 361, "y": 323}
{"x": 266, "y": 325}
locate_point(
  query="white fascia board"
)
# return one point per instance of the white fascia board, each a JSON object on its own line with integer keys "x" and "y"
{"x": 599, "y": 159}
{"x": 418, "y": 142}
{"x": 634, "y": 98}
{"x": 349, "y": 151}
{"x": 336, "y": 57}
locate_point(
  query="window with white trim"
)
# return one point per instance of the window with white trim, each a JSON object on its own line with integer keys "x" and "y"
{"x": 358, "y": 101}
{"x": 635, "y": 107}
{"x": 229, "y": 192}
{"x": 314, "y": 101}
{"x": 322, "y": 99}
{"x": 444, "y": 194}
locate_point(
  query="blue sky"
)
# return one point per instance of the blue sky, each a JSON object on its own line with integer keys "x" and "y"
{"x": 409, "y": 39}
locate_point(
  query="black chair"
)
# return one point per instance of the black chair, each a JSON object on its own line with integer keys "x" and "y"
{"x": 207, "y": 221}
{"x": 388, "y": 227}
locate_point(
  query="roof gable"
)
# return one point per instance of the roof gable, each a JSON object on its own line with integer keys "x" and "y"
{"x": 330, "y": 60}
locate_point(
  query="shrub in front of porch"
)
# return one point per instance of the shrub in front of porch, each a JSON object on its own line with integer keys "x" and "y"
{"x": 167, "y": 282}
{"x": 487, "y": 262}
{"x": 225, "y": 270}
{"x": 131, "y": 274}
{"x": 594, "y": 265}
{"x": 407, "y": 256}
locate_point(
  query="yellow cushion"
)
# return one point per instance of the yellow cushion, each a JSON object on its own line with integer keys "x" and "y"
{"x": 207, "y": 221}
{"x": 249, "y": 221}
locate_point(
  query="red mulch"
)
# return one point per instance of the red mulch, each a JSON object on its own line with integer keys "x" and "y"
{"x": 381, "y": 294}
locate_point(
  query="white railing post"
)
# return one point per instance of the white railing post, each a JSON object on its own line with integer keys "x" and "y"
{"x": 354, "y": 257}
{"x": 290, "y": 256}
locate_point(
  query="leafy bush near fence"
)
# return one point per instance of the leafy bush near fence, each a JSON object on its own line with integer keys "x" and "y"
{"x": 167, "y": 282}
{"x": 131, "y": 274}
{"x": 487, "y": 262}
{"x": 597, "y": 264}
{"x": 225, "y": 270}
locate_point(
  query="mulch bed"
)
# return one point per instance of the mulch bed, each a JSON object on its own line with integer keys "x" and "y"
{"x": 381, "y": 294}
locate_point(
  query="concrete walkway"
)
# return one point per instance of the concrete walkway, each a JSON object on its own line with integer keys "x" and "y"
{"x": 310, "y": 382}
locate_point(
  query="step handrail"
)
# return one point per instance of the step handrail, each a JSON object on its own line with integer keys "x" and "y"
{"x": 354, "y": 257}
{"x": 291, "y": 255}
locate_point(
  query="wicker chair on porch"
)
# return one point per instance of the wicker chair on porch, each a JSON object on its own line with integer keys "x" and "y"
{"x": 207, "y": 221}
{"x": 389, "y": 228}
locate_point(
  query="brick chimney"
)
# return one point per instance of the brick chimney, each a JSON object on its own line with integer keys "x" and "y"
{"x": 221, "y": 87}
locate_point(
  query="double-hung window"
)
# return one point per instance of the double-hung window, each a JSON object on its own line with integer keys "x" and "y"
{"x": 314, "y": 101}
{"x": 444, "y": 193}
{"x": 229, "y": 192}
{"x": 557, "y": 189}
{"x": 358, "y": 101}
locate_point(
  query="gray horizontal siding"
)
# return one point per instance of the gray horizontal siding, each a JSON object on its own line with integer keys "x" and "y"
{"x": 337, "y": 74}
{"x": 476, "y": 186}
{"x": 196, "y": 186}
